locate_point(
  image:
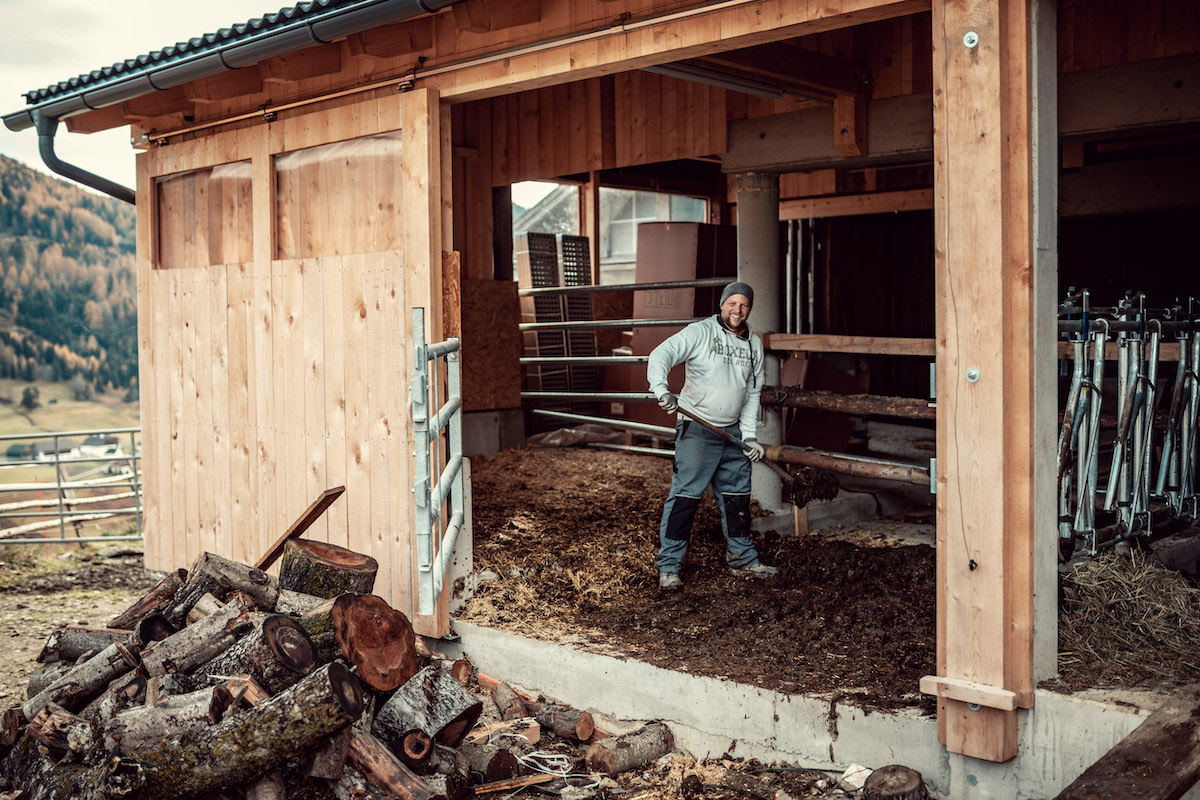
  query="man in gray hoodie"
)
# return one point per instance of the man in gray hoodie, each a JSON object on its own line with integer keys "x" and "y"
{"x": 723, "y": 373}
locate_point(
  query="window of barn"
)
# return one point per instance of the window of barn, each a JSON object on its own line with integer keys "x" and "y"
{"x": 339, "y": 198}
{"x": 204, "y": 217}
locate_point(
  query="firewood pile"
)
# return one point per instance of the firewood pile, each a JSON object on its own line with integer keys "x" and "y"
{"x": 225, "y": 682}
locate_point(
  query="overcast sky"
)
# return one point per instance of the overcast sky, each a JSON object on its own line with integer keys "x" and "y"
{"x": 43, "y": 42}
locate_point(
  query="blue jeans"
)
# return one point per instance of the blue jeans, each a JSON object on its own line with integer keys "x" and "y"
{"x": 703, "y": 458}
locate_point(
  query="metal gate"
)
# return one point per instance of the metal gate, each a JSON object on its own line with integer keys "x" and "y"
{"x": 427, "y": 445}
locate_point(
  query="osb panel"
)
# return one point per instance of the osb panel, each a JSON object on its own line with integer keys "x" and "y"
{"x": 491, "y": 345}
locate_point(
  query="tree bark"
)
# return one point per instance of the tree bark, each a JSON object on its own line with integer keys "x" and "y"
{"x": 376, "y": 639}
{"x": 218, "y": 576}
{"x": 47, "y": 675}
{"x": 325, "y": 570}
{"x": 159, "y": 687}
{"x": 12, "y": 725}
{"x": 76, "y": 688}
{"x": 894, "y": 782}
{"x": 152, "y": 602}
{"x": 43, "y": 779}
{"x": 206, "y": 606}
{"x": 328, "y": 761}
{"x": 431, "y": 702}
{"x": 509, "y": 702}
{"x": 184, "y": 651}
{"x": 381, "y": 767}
{"x": 124, "y": 692}
{"x": 297, "y": 603}
{"x": 268, "y": 787}
{"x": 623, "y": 753}
{"x": 138, "y": 728}
{"x": 60, "y": 731}
{"x": 243, "y": 746}
{"x": 69, "y": 643}
{"x": 566, "y": 722}
{"x": 277, "y": 654}
{"x": 353, "y": 785}
{"x": 489, "y": 762}
{"x": 450, "y": 786}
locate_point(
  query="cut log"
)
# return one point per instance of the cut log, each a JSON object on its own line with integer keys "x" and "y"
{"x": 460, "y": 669}
{"x": 47, "y": 675}
{"x": 297, "y": 603}
{"x": 448, "y": 761}
{"x": 277, "y": 654}
{"x": 526, "y": 728}
{"x": 218, "y": 576}
{"x": 381, "y": 767}
{"x": 376, "y": 639}
{"x": 622, "y": 753}
{"x": 566, "y": 722}
{"x": 894, "y": 782}
{"x": 76, "y": 688}
{"x": 489, "y": 762}
{"x": 243, "y": 746}
{"x": 69, "y": 643}
{"x": 353, "y": 785}
{"x": 152, "y": 602}
{"x": 268, "y": 787}
{"x": 206, "y": 606}
{"x": 431, "y": 702}
{"x": 12, "y": 725}
{"x": 159, "y": 687}
{"x": 328, "y": 760}
{"x": 124, "y": 692}
{"x": 60, "y": 731}
{"x": 450, "y": 786}
{"x": 415, "y": 748}
{"x": 311, "y": 514}
{"x": 509, "y": 703}
{"x": 136, "y": 729}
{"x": 246, "y": 691}
{"x": 198, "y": 643}
{"x": 325, "y": 570}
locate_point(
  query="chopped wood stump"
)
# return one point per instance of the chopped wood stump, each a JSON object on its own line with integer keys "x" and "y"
{"x": 894, "y": 782}
{"x": 325, "y": 570}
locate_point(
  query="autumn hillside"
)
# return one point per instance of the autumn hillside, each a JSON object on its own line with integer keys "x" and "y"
{"x": 68, "y": 294}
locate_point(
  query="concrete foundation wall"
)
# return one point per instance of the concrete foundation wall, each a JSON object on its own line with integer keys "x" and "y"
{"x": 1059, "y": 738}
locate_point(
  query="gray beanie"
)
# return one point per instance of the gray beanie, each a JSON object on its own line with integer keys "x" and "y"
{"x": 737, "y": 287}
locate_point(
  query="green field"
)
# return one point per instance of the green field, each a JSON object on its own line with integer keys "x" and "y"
{"x": 60, "y": 411}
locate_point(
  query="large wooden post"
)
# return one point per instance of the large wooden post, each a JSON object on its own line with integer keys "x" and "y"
{"x": 987, "y": 371}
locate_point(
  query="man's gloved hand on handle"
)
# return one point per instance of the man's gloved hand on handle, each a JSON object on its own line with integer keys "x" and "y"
{"x": 754, "y": 451}
{"x": 669, "y": 402}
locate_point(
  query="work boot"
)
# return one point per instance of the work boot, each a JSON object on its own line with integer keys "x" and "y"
{"x": 755, "y": 570}
{"x": 669, "y": 581}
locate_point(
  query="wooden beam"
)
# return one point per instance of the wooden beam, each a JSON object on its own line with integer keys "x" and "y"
{"x": 397, "y": 39}
{"x": 805, "y": 71}
{"x": 311, "y": 514}
{"x": 1159, "y": 760}
{"x": 225, "y": 85}
{"x": 850, "y": 125}
{"x": 969, "y": 692}
{"x": 866, "y": 345}
{"x": 1152, "y": 184}
{"x": 901, "y": 130}
{"x": 849, "y": 205}
{"x": 308, "y": 63}
{"x": 985, "y": 365}
{"x": 482, "y": 16}
{"x": 1141, "y": 98}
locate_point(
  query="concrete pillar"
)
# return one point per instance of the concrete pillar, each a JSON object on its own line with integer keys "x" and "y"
{"x": 760, "y": 264}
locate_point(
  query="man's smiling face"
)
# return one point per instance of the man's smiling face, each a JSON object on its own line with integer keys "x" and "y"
{"x": 735, "y": 311}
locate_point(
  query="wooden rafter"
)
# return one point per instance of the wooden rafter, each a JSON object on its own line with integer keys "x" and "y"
{"x": 308, "y": 63}
{"x": 397, "y": 39}
{"x": 803, "y": 72}
{"x": 482, "y": 16}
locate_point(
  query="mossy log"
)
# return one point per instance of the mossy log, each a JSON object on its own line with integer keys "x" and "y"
{"x": 619, "y": 754}
{"x": 182, "y": 652}
{"x": 220, "y": 576}
{"x": 277, "y": 654}
{"x": 325, "y": 570}
{"x": 244, "y": 746}
{"x": 42, "y": 779}
{"x": 431, "y": 702}
{"x": 152, "y": 602}
{"x": 297, "y": 603}
{"x": 60, "y": 732}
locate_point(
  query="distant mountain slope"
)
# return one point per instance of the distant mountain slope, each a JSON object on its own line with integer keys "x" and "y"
{"x": 68, "y": 291}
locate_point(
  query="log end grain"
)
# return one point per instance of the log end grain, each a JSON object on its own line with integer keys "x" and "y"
{"x": 894, "y": 782}
{"x": 376, "y": 639}
{"x": 290, "y": 644}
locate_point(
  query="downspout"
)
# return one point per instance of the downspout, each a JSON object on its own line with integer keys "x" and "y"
{"x": 46, "y": 128}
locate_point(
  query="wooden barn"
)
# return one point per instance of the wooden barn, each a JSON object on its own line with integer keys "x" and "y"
{"x": 308, "y": 178}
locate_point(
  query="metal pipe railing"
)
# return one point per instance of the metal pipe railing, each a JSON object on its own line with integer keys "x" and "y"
{"x": 598, "y": 324}
{"x": 617, "y": 397}
{"x": 698, "y": 283}
{"x": 642, "y": 427}
{"x": 584, "y": 360}
{"x": 431, "y": 568}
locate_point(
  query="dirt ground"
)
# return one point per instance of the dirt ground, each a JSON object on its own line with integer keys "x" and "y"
{"x": 571, "y": 535}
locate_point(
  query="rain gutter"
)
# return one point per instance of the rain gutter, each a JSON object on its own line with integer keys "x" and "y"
{"x": 236, "y": 54}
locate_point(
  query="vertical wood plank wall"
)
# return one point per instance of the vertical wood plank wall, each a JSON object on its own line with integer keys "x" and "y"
{"x": 268, "y": 380}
